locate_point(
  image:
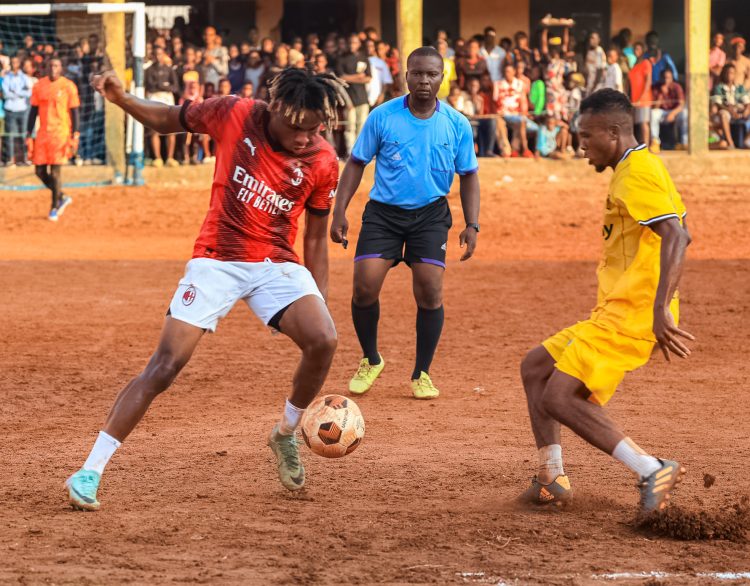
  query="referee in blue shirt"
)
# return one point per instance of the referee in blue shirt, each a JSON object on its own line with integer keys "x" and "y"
{"x": 419, "y": 144}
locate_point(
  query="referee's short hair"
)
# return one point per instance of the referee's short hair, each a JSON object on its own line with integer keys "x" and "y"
{"x": 426, "y": 51}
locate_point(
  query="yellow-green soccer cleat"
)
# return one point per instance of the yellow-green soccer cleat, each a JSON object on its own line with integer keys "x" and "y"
{"x": 555, "y": 493}
{"x": 286, "y": 450}
{"x": 365, "y": 376}
{"x": 82, "y": 487}
{"x": 656, "y": 489}
{"x": 423, "y": 387}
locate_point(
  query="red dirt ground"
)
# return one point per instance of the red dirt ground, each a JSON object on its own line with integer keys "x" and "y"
{"x": 428, "y": 497}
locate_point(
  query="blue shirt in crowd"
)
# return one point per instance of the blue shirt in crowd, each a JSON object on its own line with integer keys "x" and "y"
{"x": 665, "y": 62}
{"x": 416, "y": 159}
{"x": 17, "y": 91}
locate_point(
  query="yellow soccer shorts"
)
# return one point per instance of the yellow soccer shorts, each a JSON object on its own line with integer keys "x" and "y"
{"x": 598, "y": 356}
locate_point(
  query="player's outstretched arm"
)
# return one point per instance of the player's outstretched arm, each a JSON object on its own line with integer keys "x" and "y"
{"x": 159, "y": 117}
{"x": 469, "y": 188}
{"x": 348, "y": 184}
{"x": 674, "y": 241}
{"x": 315, "y": 250}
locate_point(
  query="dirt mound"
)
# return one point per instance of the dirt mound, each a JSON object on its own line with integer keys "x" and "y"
{"x": 732, "y": 523}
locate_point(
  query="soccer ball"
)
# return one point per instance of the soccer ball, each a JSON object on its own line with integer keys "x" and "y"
{"x": 333, "y": 426}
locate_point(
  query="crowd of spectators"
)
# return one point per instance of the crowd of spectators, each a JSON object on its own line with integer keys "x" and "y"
{"x": 522, "y": 95}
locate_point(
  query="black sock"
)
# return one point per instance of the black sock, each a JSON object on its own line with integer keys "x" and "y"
{"x": 55, "y": 185}
{"x": 429, "y": 328}
{"x": 366, "y": 325}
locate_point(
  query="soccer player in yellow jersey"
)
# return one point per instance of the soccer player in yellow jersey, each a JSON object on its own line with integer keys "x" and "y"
{"x": 571, "y": 376}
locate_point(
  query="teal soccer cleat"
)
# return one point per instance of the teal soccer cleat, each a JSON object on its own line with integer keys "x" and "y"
{"x": 82, "y": 487}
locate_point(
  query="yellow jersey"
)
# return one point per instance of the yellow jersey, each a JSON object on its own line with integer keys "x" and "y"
{"x": 449, "y": 75}
{"x": 641, "y": 193}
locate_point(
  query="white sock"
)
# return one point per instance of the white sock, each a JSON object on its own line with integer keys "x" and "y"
{"x": 104, "y": 447}
{"x": 291, "y": 418}
{"x": 630, "y": 454}
{"x": 550, "y": 463}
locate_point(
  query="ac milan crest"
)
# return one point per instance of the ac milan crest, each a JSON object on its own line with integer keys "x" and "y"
{"x": 188, "y": 296}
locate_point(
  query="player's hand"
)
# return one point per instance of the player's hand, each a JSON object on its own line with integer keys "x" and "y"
{"x": 109, "y": 86}
{"x": 468, "y": 238}
{"x": 666, "y": 333}
{"x": 73, "y": 144}
{"x": 30, "y": 148}
{"x": 339, "y": 228}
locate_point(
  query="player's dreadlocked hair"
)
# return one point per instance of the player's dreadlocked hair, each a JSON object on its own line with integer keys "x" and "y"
{"x": 295, "y": 90}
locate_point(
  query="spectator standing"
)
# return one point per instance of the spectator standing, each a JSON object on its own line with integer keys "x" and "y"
{"x": 473, "y": 65}
{"x": 16, "y": 87}
{"x": 161, "y": 85}
{"x": 740, "y": 62}
{"x": 624, "y": 40}
{"x": 717, "y": 58}
{"x": 493, "y": 54}
{"x": 669, "y": 108}
{"x": 215, "y": 63}
{"x": 660, "y": 60}
{"x": 393, "y": 59}
{"x": 354, "y": 68}
{"x": 255, "y": 69}
{"x": 381, "y": 81}
{"x": 522, "y": 52}
{"x": 538, "y": 92}
{"x": 595, "y": 64}
{"x": 613, "y": 73}
{"x": 640, "y": 77}
{"x": 4, "y": 60}
{"x": 442, "y": 35}
{"x": 733, "y": 101}
{"x": 449, "y": 70}
{"x": 236, "y": 69}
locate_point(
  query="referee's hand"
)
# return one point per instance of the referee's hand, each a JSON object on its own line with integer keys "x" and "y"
{"x": 339, "y": 228}
{"x": 468, "y": 238}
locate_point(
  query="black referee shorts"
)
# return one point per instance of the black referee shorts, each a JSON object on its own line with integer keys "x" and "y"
{"x": 391, "y": 232}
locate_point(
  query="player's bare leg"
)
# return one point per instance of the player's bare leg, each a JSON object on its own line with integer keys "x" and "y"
{"x": 427, "y": 284}
{"x": 309, "y": 324}
{"x": 369, "y": 275}
{"x": 176, "y": 345}
{"x": 550, "y": 485}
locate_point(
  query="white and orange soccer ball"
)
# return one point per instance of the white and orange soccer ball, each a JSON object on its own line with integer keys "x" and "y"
{"x": 333, "y": 426}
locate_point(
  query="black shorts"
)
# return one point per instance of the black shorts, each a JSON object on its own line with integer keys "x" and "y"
{"x": 391, "y": 232}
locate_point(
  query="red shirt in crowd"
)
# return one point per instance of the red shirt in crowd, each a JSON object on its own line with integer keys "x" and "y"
{"x": 669, "y": 98}
{"x": 258, "y": 190}
{"x": 640, "y": 83}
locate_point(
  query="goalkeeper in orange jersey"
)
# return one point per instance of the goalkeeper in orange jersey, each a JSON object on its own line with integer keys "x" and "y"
{"x": 55, "y": 100}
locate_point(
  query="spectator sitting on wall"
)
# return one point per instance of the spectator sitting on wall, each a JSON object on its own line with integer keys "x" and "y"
{"x": 484, "y": 121}
{"x": 512, "y": 105}
{"x": 247, "y": 90}
{"x": 471, "y": 66}
{"x": 740, "y": 62}
{"x": 669, "y": 108}
{"x": 734, "y": 105}
{"x": 551, "y": 139}
{"x": 521, "y": 74}
{"x": 660, "y": 60}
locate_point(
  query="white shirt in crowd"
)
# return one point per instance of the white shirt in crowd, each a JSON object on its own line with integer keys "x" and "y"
{"x": 613, "y": 77}
{"x": 495, "y": 60}
{"x": 380, "y": 76}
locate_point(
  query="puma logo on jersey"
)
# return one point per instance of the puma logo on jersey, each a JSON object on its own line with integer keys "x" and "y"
{"x": 607, "y": 231}
{"x": 250, "y": 145}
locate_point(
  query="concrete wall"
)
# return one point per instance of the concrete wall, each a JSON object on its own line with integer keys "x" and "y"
{"x": 633, "y": 14}
{"x": 371, "y": 16}
{"x": 268, "y": 14}
{"x": 508, "y": 16}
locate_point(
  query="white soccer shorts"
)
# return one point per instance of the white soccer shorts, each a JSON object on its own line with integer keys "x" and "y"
{"x": 210, "y": 288}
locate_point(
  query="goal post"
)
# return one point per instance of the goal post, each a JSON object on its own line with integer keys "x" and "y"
{"x": 103, "y": 131}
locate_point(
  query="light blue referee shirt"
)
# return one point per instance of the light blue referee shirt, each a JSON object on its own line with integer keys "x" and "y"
{"x": 416, "y": 159}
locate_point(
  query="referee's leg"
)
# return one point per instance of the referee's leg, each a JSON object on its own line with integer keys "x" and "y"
{"x": 369, "y": 275}
{"x": 427, "y": 281}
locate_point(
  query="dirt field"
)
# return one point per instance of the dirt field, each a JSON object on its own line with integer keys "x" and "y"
{"x": 192, "y": 495}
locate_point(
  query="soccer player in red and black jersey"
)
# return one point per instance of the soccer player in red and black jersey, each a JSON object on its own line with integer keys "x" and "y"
{"x": 271, "y": 166}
